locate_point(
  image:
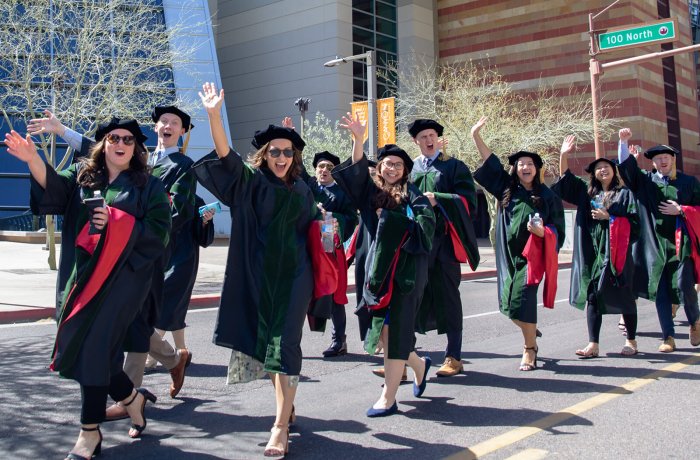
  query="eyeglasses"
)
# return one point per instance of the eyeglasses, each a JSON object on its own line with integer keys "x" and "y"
{"x": 396, "y": 166}
{"x": 115, "y": 138}
{"x": 327, "y": 166}
{"x": 275, "y": 152}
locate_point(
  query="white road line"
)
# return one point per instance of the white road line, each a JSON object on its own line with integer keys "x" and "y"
{"x": 478, "y": 315}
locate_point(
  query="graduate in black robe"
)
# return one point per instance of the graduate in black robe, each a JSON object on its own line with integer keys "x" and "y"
{"x": 606, "y": 227}
{"x": 110, "y": 271}
{"x": 662, "y": 273}
{"x": 521, "y": 195}
{"x": 398, "y": 223}
{"x": 331, "y": 198}
{"x": 269, "y": 277}
{"x": 448, "y": 184}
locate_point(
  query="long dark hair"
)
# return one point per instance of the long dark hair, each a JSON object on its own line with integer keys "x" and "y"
{"x": 595, "y": 187}
{"x": 93, "y": 173}
{"x": 389, "y": 196}
{"x": 257, "y": 161}
{"x": 515, "y": 182}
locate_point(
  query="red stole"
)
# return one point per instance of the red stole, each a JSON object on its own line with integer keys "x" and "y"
{"x": 619, "y": 242}
{"x": 692, "y": 224}
{"x": 325, "y": 271}
{"x": 542, "y": 262}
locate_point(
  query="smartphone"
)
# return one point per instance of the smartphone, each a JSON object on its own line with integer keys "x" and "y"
{"x": 215, "y": 206}
{"x": 92, "y": 203}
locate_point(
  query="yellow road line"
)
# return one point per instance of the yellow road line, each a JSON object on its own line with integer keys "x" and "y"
{"x": 520, "y": 433}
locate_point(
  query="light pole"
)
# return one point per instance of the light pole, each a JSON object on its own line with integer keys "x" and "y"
{"x": 303, "y": 105}
{"x": 369, "y": 58}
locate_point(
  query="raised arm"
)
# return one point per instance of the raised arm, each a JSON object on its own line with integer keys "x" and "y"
{"x": 24, "y": 150}
{"x": 49, "y": 124}
{"x": 357, "y": 128}
{"x": 566, "y": 147}
{"x": 212, "y": 103}
{"x": 623, "y": 149}
{"x": 480, "y": 144}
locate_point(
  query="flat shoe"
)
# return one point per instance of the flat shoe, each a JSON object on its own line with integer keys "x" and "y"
{"x": 372, "y": 412}
{"x": 419, "y": 389}
{"x": 628, "y": 351}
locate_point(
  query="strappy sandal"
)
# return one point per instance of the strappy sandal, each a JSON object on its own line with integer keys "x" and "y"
{"x": 591, "y": 351}
{"x": 278, "y": 450}
{"x": 138, "y": 429}
{"x": 95, "y": 452}
{"x": 525, "y": 366}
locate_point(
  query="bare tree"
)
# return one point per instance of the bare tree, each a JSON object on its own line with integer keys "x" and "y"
{"x": 87, "y": 61}
{"x": 458, "y": 94}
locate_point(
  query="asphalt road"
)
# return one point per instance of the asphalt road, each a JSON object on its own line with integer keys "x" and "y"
{"x": 607, "y": 408}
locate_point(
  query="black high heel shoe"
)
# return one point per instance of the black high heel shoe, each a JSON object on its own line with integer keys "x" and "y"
{"x": 96, "y": 451}
{"x": 138, "y": 428}
{"x": 525, "y": 366}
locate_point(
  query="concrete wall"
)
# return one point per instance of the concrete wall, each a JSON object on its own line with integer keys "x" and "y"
{"x": 271, "y": 52}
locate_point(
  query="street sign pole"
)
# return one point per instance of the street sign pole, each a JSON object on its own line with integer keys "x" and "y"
{"x": 662, "y": 31}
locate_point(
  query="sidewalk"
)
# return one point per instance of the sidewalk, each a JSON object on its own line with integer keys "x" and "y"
{"x": 27, "y": 286}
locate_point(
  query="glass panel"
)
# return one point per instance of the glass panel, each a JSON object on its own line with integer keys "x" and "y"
{"x": 386, "y": 43}
{"x": 363, "y": 5}
{"x": 386, "y": 11}
{"x": 363, "y": 37}
{"x": 386, "y": 27}
{"x": 360, "y": 19}
{"x": 358, "y": 87}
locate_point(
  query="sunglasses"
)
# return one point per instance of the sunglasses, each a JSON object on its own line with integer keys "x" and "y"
{"x": 322, "y": 166}
{"x": 115, "y": 138}
{"x": 275, "y": 152}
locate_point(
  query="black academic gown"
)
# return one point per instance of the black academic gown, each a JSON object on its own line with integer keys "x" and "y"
{"x": 450, "y": 180}
{"x": 268, "y": 281}
{"x": 88, "y": 344}
{"x": 591, "y": 254}
{"x": 412, "y": 268}
{"x": 655, "y": 251}
{"x": 181, "y": 254}
{"x": 517, "y": 300}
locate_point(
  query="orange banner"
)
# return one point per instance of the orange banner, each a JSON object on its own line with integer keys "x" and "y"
{"x": 360, "y": 108}
{"x": 387, "y": 123}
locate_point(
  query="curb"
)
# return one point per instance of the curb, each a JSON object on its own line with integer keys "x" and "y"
{"x": 197, "y": 301}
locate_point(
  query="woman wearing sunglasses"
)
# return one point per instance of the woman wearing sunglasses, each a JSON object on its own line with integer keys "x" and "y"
{"x": 398, "y": 222}
{"x": 269, "y": 277}
{"x": 105, "y": 271}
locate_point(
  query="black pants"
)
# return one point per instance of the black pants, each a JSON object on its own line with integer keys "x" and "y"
{"x": 595, "y": 321}
{"x": 95, "y": 398}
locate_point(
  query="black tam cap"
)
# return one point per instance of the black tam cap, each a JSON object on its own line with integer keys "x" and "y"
{"x": 591, "y": 166}
{"x": 395, "y": 150}
{"x": 264, "y": 136}
{"x": 420, "y": 124}
{"x": 512, "y": 159}
{"x": 161, "y": 109}
{"x": 659, "y": 149}
{"x": 120, "y": 123}
{"x": 326, "y": 156}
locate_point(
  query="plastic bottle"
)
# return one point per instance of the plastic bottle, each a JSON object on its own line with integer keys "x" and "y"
{"x": 327, "y": 232}
{"x": 536, "y": 220}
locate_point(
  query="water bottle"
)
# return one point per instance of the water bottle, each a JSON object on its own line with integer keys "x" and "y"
{"x": 597, "y": 202}
{"x": 327, "y": 231}
{"x": 536, "y": 220}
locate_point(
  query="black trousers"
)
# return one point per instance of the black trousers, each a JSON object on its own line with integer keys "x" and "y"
{"x": 95, "y": 398}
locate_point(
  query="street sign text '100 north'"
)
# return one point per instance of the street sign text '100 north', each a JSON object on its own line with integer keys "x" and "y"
{"x": 662, "y": 31}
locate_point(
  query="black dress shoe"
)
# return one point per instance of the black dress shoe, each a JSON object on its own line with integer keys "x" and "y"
{"x": 336, "y": 349}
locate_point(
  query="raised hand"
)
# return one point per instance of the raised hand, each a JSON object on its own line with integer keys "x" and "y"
{"x": 354, "y": 125}
{"x": 19, "y": 147}
{"x": 635, "y": 150}
{"x": 288, "y": 123}
{"x": 210, "y": 99}
{"x": 625, "y": 134}
{"x": 442, "y": 143}
{"x": 47, "y": 125}
{"x": 479, "y": 124}
{"x": 568, "y": 145}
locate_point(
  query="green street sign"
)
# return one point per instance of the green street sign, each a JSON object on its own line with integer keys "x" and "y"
{"x": 662, "y": 31}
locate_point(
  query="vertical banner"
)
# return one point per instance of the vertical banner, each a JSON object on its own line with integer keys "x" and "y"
{"x": 360, "y": 108}
{"x": 387, "y": 123}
